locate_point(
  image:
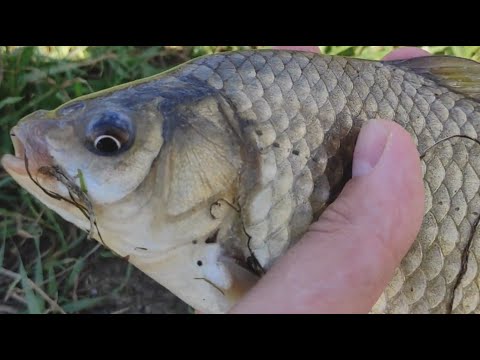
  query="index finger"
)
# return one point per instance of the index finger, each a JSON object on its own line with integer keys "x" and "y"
{"x": 406, "y": 53}
{"x": 313, "y": 49}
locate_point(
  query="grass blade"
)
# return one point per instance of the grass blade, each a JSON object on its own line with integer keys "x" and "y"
{"x": 38, "y": 276}
{"x": 35, "y": 304}
{"x": 52, "y": 286}
{"x": 10, "y": 101}
{"x": 2, "y": 246}
{"x": 83, "y": 304}
{"x": 77, "y": 268}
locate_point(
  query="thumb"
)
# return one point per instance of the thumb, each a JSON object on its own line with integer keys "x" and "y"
{"x": 346, "y": 259}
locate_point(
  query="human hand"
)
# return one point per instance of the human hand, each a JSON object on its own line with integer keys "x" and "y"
{"x": 346, "y": 259}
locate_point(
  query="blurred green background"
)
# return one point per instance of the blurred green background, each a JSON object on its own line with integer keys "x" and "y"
{"x": 46, "y": 264}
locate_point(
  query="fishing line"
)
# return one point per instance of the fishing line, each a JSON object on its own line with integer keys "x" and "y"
{"x": 449, "y": 138}
{"x": 218, "y": 204}
{"x": 87, "y": 211}
{"x": 251, "y": 261}
{"x": 211, "y": 283}
{"x": 466, "y": 250}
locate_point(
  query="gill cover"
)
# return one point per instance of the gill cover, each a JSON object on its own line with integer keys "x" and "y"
{"x": 201, "y": 156}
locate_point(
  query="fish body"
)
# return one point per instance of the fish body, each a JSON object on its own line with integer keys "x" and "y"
{"x": 205, "y": 175}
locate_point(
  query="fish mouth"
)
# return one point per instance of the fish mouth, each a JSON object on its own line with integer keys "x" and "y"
{"x": 15, "y": 163}
{"x": 26, "y": 165}
{"x": 24, "y": 155}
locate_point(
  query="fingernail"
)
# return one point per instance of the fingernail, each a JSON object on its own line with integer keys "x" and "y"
{"x": 370, "y": 146}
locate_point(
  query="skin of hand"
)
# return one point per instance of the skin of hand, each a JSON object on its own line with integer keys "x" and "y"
{"x": 346, "y": 259}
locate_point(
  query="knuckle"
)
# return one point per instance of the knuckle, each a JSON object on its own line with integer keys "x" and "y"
{"x": 337, "y": 217}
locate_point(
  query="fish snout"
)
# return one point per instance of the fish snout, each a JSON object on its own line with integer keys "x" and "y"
{"x": 30, "y": 147}
{"x": 37, "y": 115}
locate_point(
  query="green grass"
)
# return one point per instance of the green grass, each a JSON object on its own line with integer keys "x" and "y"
{"x": 42, "y": 257}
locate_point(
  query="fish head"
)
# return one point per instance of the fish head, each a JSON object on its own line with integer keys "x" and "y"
{"x": 93, "y": 141}
{"x": 160, "y": 175}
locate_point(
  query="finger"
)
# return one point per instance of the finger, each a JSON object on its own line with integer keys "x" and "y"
{"x": 347, "y": 258}
{"x": 313, "y": 49}
{"x": 406, "y": 53}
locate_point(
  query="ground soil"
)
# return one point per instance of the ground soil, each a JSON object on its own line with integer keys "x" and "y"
{"x": 141, "y": 295}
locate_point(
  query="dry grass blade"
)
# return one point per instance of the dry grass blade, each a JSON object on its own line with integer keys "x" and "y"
{"x": 1, "y": 68}
{"x": 121, "y": 311}
{"x": 4, "y": 309}
{"x": 65, "y": 271}
{"x": 19, "y": 298}
{"x": 15, "y": 276}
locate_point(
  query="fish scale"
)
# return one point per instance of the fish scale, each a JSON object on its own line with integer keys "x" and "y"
{"x": 326, "y": 100}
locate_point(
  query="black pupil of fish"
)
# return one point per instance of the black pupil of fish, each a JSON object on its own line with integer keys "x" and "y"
{"x": 107, "y": 144}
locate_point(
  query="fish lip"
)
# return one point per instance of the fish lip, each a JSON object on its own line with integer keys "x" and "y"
{"x": 18, "y": 146}
{"x": 17, "y": 163}
{"x": 14, "y": 164}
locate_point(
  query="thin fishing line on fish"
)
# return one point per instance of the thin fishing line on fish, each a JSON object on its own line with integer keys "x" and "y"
{"x": 466, "y": 250}
{"x": 217, "y": 203}
{"x": 211, "y": 283}
{"x": 449, "y": 138}
{"x": 464, "y": 263}
{"x": 87, "y": 211}
{"x": 51, "y": 193}
{"x": 252, "y": 261}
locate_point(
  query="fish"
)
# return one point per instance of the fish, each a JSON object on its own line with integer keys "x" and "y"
{"x": 203, "y": 176}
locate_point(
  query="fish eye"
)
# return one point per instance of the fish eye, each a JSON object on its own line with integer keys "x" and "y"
{"x": 107, "y": 144}
{"x": 110, "y": 133}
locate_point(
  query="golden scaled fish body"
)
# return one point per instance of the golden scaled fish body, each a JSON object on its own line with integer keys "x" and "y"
{"x": 204, "y": 175}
